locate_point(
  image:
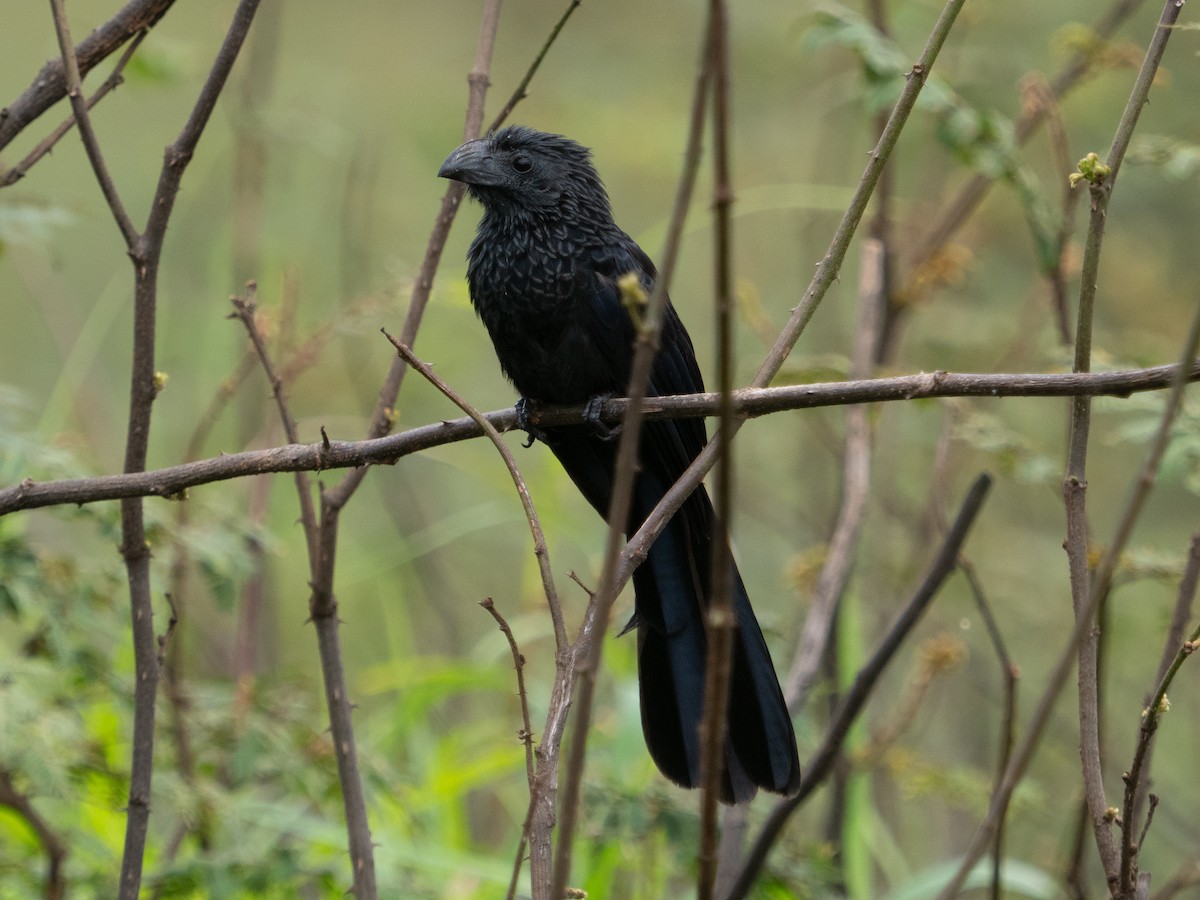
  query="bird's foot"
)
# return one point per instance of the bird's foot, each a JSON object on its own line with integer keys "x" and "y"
{"x": 591, "y": 415}
{"x": 527, "y": 413}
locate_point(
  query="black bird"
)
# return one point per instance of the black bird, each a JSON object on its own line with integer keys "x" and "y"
{"x": 543, "y": 273}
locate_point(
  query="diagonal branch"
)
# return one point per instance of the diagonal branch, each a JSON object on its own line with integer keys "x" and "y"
{"x": 540, "y": 549}
{"x": 821, "y": 763}
{"x": 114, "y": 80}
{"x": 91, "y": 143}
{"x": 49, "y": 86}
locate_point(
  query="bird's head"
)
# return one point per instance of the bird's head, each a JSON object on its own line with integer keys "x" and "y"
{"x": 520, "y": 170}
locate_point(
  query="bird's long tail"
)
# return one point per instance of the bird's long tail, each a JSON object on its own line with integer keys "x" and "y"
{"x": 671, "y": 587}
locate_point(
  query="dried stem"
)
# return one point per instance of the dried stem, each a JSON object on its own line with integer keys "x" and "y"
{"x": 520, "y": 93}
{"x": 49, "y": 86}
{"x": 383, "y": 415}
{"x": 1087, "y": 592}
{"x": 244, "y": 310}
{"x": 323, "y": 611}
{"x": 145, "y": 251}
{"x": 720, "y": 625}
{"x": 967, "y": 200}
{"x": 115, "y": 79}
{"x": 1135, "y": 783}
{"x": 856, "y": 483}
{"x": 540, "y": 549}
{"x": 525, "y": 734}
{"x": 90, "y": 143}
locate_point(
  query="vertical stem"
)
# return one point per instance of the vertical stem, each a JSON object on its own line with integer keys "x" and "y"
{"x": 720, "y": 617}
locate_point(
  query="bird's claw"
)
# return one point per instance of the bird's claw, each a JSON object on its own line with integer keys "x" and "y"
{"x": 591, "y": 414}
{"x": 527, "y": 411}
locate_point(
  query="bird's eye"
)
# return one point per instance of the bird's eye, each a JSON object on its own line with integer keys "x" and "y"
{"x": 522, "y": 164}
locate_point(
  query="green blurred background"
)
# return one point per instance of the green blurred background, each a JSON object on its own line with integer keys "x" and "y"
{"x": 316, "y": 178}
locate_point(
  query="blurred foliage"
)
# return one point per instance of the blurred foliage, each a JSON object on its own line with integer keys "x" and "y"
{"x": 317, "y": 179}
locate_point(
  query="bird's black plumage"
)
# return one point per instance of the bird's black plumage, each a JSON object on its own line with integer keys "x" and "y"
{"x": 543, "y": 273}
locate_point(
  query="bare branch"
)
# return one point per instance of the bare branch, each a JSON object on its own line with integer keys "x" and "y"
{"x": 145, "y": 253}
{"x": 720, "y": 622}
{"x": 49, "y": 86}
{"x": 525, "y": 735}
{"x": 173, "y": 481}
{"x": 519, "y": 93}
{"x": 115, "y": 79}
{"x": 244, "y": 310}
{"x": 540, "y": 550}
{"x": 1134, "y": 781}
{"x": 91, "y": 143}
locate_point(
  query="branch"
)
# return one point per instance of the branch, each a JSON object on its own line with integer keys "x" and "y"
{"x": 1084, "y": 616}
{"x": 720, "y": 624}
{"x": 115, "y": 79}
{"x": 831, "y": 262}
{"x": 1134, "y": 785}
{"x": 91, "y": 143}
{"x": 173, "y": 481}
{"x": 821, "y": 763}
{"x": 525, "y": 735}
{"x": 49, "y": 86}
{"x": 145, "y": 252}
{"x": 520, "y": 93}
{"x": 856, "y": 478}
{"x": 1087, "y": 592}
{"x": 973, "y": 192}
{"x": 244, "y": 310}
{"x": 540, "y": 550}
{"x": 56, "y": 849}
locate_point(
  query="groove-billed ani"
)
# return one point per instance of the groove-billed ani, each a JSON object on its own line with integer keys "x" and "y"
{"x": 543, "y": 274}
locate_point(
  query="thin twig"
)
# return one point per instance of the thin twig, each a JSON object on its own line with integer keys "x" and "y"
{"x": 1087, "y": 592}
{"x": 1135, "y": 782}
{"x": 1085, "y": 613}
{"x": 49, "y": 85}
{"x": 114, "y": 80}
{"x": 525, "y": 735}
{"x": 824, "y": 277}
{"x": 521, "y": 91}
{"x": 145, "y": 253}
{"x": 856, "y": 484}
{"x": 967, "y": 200}
{"x": 91, "y": 143}
{"x": 1008, "y": 719}
{"x": 55, "y": 847}
{"x": 244, "y": 310}
{"x": 384, "y": 413}
{"x": 540, "y": 550}
{"x": 539, "y": 819}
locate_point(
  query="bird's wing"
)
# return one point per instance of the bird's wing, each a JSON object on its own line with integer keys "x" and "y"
{"x": 610, "y": 327}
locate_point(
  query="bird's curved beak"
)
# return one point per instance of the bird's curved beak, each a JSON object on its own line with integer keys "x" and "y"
{"x": 472, "y": 163}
